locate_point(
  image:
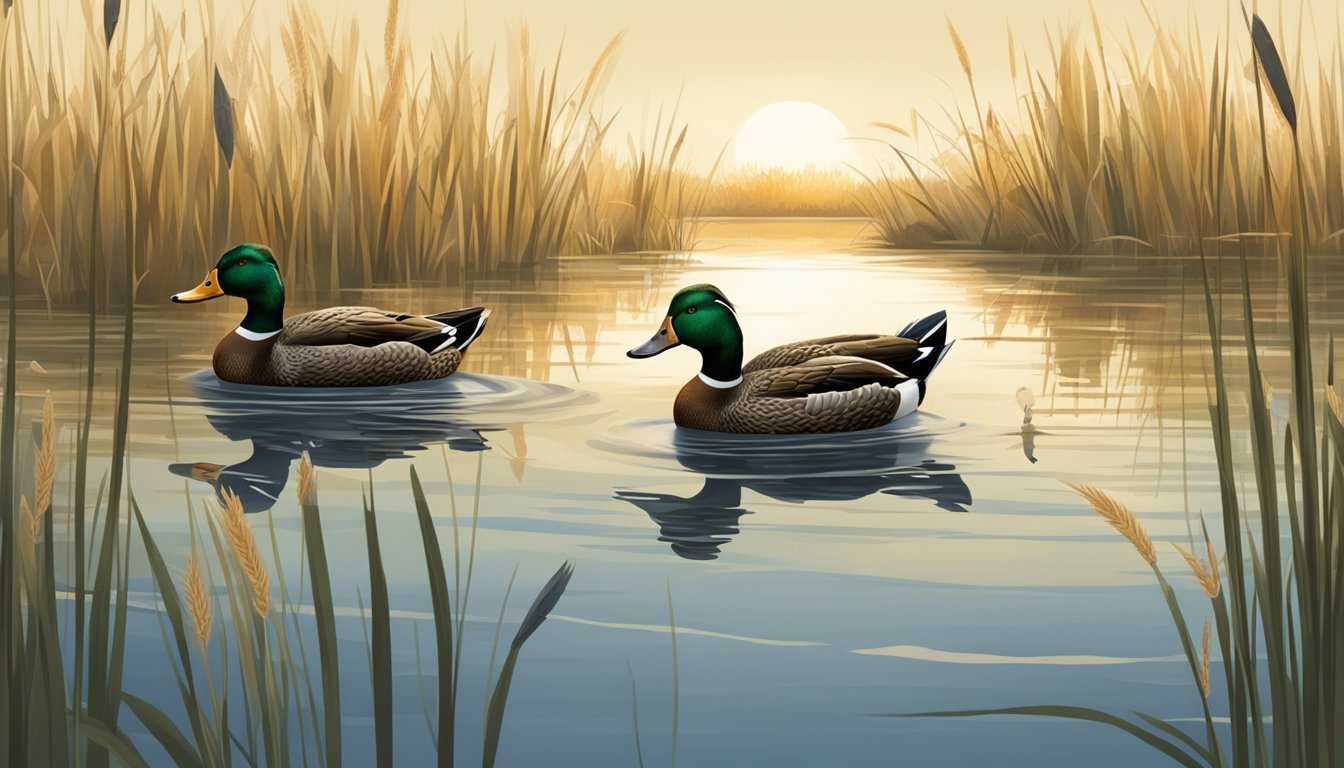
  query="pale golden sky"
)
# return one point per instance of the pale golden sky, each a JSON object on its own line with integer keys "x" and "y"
{"x": 864, "y": 60}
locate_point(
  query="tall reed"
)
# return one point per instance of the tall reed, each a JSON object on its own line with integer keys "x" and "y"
{"x": 155, "y": 154}
{"x": 1277, "y": 604}
{"x": 1106, "y": 150}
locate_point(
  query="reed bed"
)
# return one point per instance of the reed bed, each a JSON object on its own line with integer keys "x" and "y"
{"x": 1106, "y": 149}
{"x": 152, "y": 151}
{"x": 1275, "y": 596}
{"x": 776, "y": 192}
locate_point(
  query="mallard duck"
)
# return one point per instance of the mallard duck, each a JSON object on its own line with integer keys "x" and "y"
{"x": 833, "y": 384}
{"x": 333, "y": 347}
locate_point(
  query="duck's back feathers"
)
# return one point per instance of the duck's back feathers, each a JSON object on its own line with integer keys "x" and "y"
{"x": 369, "y": 327}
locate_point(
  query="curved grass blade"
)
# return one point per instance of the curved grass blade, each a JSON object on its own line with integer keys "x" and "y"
{"x": 112, "y": 742}
{"x": 111, "y": 15}
{"x": 381, "y": 666}
{"x": 324, "y": 616}
{"x": 443, "y": 619}
{"x": 1084, "y": 714}
{"x": 536, "y": 615}
{"x": 169, "y": 736}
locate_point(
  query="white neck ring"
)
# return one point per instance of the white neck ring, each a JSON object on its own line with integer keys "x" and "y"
{"x": 715, "y": 383}
{"x": 253, "y": 335}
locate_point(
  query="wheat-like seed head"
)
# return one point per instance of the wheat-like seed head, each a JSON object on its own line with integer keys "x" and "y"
{"x": 962, "y": 56}
{"x": 44, "y": 473}
{"x": 1121, "y": 519}
{"x": 198, "y": 602}
{"x": 244, "y": 545}
{"x": 1207, "y": 578}
{"x": 1204, "y": 662}
{"x": 307, "y": 483}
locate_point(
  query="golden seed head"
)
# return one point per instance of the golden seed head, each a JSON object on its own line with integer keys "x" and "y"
{"x": 1267, "y": 390}
{"x": 44, "y": 473}
{"x": 1208, "y": 578}
{"x": 307, "y": 481}
{"x": 1333, "y": 399}
{"x": 28, "y": 522}
{"x": 1120, "y": 518}
{"x": 243, "y": 542}
{"x": 198, "y": 602}
{"x": 963, "y": 57}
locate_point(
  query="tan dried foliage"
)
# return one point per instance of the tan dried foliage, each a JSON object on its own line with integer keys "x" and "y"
{"x": 1120, "y": 518}
{"x": 244, "y": 545}
{"x": 198, "y": 602}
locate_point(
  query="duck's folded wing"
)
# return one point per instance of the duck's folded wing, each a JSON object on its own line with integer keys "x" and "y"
{"x": 361, "y": 326}
{"x": 892, "y": 351}
{"x": 825, "y": 374}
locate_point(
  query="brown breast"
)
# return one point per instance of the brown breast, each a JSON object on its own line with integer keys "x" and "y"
{"x": 700, "y": 406}
{"x": 244, "y": 361}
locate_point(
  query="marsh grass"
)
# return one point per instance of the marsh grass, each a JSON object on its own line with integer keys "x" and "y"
{"x": 152, "y": 151}
{"x": 1107, "y": 149}
{"x": 776, "y": 192}
{"x": 1277, "y": 602}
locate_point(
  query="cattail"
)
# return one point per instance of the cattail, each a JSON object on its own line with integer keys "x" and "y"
{"x": 1208, "y": 578}
{"x": 1204, "y": 662}
{"x": 198, "y": 602}
{"x": 1121, "y": 519}
{"x": 244, "y": 545}
{"x": 223, "y": 119}
{"x": 544, "y": 604}
{"x": 306, "y": 480}
{"x": 1272, "y": 69}
{"x": 111, "y": 15}
{"x": 962, "y": 56}
{"x": 44, "y": 472}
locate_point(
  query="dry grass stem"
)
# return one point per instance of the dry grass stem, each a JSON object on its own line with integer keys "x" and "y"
{"x": 244, "y": 545}
{"x": 1204, "y": 662}
{"x": 1121, "y": 519}
{"x": 198, "y": 602}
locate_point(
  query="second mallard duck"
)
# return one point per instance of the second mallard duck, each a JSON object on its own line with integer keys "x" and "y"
{"x": 333, "y": 347}
{"x": 833, "y": 384}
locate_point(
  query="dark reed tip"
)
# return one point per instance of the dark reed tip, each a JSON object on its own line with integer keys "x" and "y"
{"x": 111, "y": 15}
{"x": 1271, "y": 67}
{"x": 544, "y": 604}
{"x": 223, "y": 119}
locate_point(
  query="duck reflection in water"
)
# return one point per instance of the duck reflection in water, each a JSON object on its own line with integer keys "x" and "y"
{"x": 794, "y": 469}
{"x": 351, "y": 429}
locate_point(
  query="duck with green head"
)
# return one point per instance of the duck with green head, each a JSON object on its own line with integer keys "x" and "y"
{"x": 832, "y": 384}
{"x": 333, "y": 347}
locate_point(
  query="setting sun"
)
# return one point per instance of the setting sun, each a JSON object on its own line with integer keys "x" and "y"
{"x": 793, "y": 136}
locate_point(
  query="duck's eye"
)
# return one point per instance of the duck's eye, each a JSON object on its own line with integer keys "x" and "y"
{"x": 241, "y": 262}
{"x": 691, "y": 311}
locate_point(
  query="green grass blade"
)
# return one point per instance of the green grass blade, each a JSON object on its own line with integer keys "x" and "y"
{"x": 161, "y": 727}
{"x": 1165, "y": 746}
{"x": 324, "y": 616}
{"x": 443, "y": 620}
{"x": 381, "y": 668}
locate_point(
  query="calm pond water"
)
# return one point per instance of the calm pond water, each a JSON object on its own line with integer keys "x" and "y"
{"x": 938, "y": 563}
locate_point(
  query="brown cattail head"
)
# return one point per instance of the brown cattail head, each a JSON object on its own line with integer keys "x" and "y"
{"x": 244, "y": 545}
{"x": 1273, "y": 71}
{"x": 1121, "y": 519}
{"x": 1208, "y": 578}
{"x": 1204, "y": 662}
{"x": 198, "y": 602}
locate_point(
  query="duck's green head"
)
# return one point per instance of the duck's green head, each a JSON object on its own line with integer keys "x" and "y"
{"x": 702, "y": 318}
{"x": 248, "y": 272}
